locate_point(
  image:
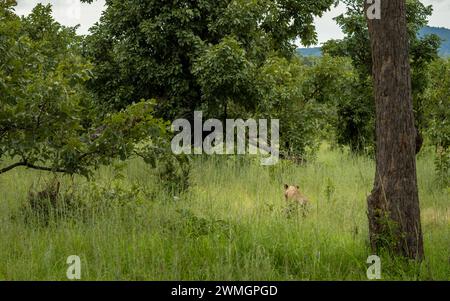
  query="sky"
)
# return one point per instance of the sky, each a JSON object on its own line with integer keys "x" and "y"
{"x": 72, "y": 12}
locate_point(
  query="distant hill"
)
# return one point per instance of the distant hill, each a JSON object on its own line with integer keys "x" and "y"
{"x": 314, "y": 51}
{"x": 443, "y": 33}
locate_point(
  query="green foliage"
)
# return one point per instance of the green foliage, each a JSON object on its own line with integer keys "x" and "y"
{"x": 224, "y": 73}
{"x": 192, "y": 55}
{"x": 355, "y": 126}
{"x": 356, "y": 113}
{"x": 116, "y": 194}
{"x": 388, "y": 235}
{"x": 437, "y": 114}
{"x": 120, "y": 133}
{"x": 325, "y": 91}
{"x": 172, "y": 171}
{"x": 48, "y": 120}
{"x": 333, "y": 82}
{"x": 282, "y": 84}
{"x": 438, "y": 107}
{"x": 195, "y": 227}
{"x": 41, "y": 109}
{"x": 51, "y": 205}
{"x": 82, "y": 203}
{"x": 229, "y": 58}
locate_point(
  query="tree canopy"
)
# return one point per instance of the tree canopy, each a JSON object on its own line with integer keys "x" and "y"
{"x": 48, "y": 120}
{"x": 356, "y": 113}
{"x": 191, "y": 54}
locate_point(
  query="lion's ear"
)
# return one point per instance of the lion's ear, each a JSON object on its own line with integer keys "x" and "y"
{"x": 298, "y": 187}
{"x": 286, "y": 186}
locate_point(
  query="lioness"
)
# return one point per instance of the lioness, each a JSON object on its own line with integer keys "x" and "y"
{"x": 295, "y": 200}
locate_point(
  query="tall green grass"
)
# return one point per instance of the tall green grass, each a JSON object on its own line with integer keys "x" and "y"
{"x": 229, "y": 225}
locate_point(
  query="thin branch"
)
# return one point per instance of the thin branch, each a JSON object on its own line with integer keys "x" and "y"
{"x": 59, "y": 170}
{"x": 32, "y": 166}
{"x": 8, "y": 168}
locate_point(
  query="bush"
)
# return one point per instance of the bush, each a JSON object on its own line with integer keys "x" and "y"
{"x": 194, "y": 226}
{"x": 50, "y": 205}
{"x": 437, "y": 113}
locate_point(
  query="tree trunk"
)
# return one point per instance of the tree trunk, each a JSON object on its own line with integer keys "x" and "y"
{"x": 393, "y": 206}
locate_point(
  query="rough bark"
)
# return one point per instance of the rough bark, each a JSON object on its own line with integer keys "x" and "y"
{"x": 393, "y": 206}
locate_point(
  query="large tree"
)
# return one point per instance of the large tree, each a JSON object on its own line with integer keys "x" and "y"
{"x": 48, "y": 120}
{"x": 201, "y": 54}
{"x": 393, "y": 206}
{"x": 355, "y": 126}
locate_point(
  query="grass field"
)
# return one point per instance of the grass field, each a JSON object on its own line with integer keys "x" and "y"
{"x": 229, "y": 225}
